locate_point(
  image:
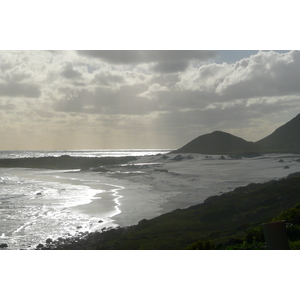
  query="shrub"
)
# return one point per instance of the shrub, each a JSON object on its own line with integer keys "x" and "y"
{"x": 202, "y": 245}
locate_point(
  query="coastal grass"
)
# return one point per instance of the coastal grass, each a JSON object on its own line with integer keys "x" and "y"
{"x": 228, "y": 221}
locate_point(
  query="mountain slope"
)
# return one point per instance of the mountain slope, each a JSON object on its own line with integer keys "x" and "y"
{"x": 217, "y": 142}
{"x": 284, "y": 139}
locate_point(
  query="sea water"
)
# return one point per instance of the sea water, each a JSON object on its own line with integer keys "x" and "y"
{"x": 83, "y": 153}
{"x": 37, "y": 204}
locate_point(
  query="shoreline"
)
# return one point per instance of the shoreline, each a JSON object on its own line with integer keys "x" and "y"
{"x": 155, "y": 185}
{"x": 136, "y": 237}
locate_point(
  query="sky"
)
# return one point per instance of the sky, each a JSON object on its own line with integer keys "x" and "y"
{"x": 122, "y": 99}
{"x": 150, "y": 91}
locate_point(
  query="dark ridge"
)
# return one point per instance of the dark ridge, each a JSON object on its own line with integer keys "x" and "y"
{"x": 285, "y": 139}
{"x": 218, "y": 142}
{"x": 63, "y": 162}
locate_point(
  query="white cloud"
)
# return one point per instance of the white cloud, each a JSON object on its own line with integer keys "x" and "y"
{"x": 178, "y": 93}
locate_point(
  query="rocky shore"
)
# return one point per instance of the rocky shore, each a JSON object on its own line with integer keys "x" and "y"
{"x": 220, "y": 219}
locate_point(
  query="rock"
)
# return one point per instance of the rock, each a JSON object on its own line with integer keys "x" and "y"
{"x": 251, "y": 154}
{"x": 178, "y": 158}
{"x": 3, "y": 245}
{"x": 234, "y": 156}
{"x": 48, "y": 241}
{"x": 222, "y": 157}
{"x": 281, "y": 160}
{"x": 39, "y": 246}
{"x": 161, "y": 170}
{"x": 286, "y": 167}
{"x": 100, "y": 221}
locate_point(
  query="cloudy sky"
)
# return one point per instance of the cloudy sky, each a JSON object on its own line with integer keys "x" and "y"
{"x": 142, "y": 99}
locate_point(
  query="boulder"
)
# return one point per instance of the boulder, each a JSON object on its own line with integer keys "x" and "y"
{"x": 178, "y": 158}
{"x": 3, "y": 245}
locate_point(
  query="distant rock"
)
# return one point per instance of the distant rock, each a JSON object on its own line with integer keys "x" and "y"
{"x": 99, "y": 169}
{"x": 161, "y": 170}
{"x": 251, "y": 154}
{"x": 3, "y": 245}
{"x": 286, "y": 167}
{"x": 39, "y": 246}
{"x": 178, "y": 158}
{"x": 234, "y": 156}
{"x": 281, "y": 160}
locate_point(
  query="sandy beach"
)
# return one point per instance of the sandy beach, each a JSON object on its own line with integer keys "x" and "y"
{"x": 68, "y": 202}
{"x": 159, "y": 184}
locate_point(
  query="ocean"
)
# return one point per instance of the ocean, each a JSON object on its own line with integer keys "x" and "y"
{"x": 38, "y": 204}
{"x": 83, "y": 153}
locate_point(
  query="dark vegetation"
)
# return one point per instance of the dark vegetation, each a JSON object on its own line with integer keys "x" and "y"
{"x": 229, "y": 221}
{"x": 64, "y": 162}
{"x": 285, "y": 139}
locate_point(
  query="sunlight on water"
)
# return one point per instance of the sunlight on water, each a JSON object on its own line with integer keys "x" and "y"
{"x": 40, "y": 204}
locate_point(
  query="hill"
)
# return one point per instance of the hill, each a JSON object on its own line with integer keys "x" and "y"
{"x": 218, "y": 142}
{"x": 285, "y": 139}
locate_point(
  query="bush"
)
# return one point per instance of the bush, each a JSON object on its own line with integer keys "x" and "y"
{"x": 255, "y": 235}
{"x": 291, "y": 216}
{"x": 202, "y": 245}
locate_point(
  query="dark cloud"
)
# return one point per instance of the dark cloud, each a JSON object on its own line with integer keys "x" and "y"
{"x": 170, "y": 67}
{"x": 107, "y": 79}
{"x": 166, "y": 61}
{"x": 7, "y": 106}
{"x": 44, "y": 114}
{"x": 18, "y": 89}
{"x": 69, "y": 72}
{"x": 104, "y": 100}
